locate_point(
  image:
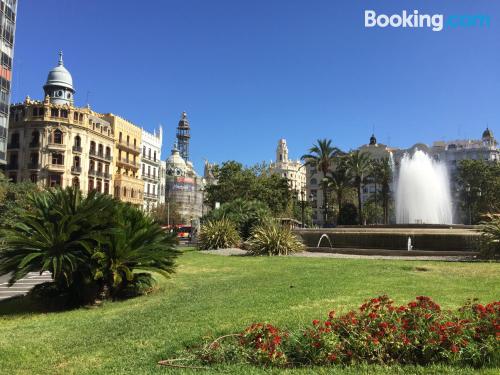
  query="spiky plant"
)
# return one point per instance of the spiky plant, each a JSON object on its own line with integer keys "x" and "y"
{"x": 135, "y": 241}
{"x": 58, "y": 234}
{"x": 490, "y": 236}
{"x": 273, "y": 238}
{"x": 218, "y": 234}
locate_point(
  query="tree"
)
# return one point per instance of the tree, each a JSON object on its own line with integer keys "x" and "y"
{"x": 382, "y": 174}
{"x": 13, "y": 199}
{"x": 482, "y": 180}
{"x": 254, "y": 183}
{"x": 358, "y": 164}
{"x": 321, "y": 156}
{"x": 340, "y": 183}
{"x": 167, "y": 214}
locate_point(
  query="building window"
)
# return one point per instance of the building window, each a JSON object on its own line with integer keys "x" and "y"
{"x": 108, "y": 152}
{"x": 117, "y": 191}
{"x": 91, "y": 166}
{"x": 57, "y": 158}
{"x": 35, "y": 139}
{"x": 101, "y": 150}
{"x": 106, "y": 188}
{"x": 34, "y": 159}
{"x": 120, "y": 137}
{"x": 91, "y": 184}
{"x": 154, "y": 156}
{"x": 124, "y": 191}
{"x": 92, "y": 147}
{"x": 132, "y": 193}
{"x": 57, "y": 137}
{"x": 76, "y": 182}
{"x": 78, "y": 141}
{"x": 54, "y": 180}
{"x": 99, "y": 167}
{"x": 76, "y": 162}
{"x": 99, "y": 185}
{"x": 128, "y": 139}
{"x": 34, "y": 178}
{"x": 149, "y": 154}
{"x": 64, "y": 113}
{"x": 144, "y": 151}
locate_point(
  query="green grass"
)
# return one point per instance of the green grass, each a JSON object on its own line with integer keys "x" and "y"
{"x": 211, "y": 295}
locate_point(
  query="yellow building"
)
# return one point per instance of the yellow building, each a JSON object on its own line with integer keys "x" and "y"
{"x": 128, "y": 187}
{"x": 54, "y": 143}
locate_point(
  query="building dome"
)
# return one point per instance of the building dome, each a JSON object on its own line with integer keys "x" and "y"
{"x": 175, "y": 160}
{"x": 60, "y": 76}
{"x": 59, "y": 84}
{"x": 487, "y": 134}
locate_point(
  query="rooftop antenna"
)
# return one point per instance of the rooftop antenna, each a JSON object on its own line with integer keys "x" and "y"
{"x": 87, "y": 98}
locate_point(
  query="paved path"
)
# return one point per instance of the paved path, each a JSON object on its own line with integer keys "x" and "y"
{"x": 23, "y": 286}
{"x": 310, "y": 254}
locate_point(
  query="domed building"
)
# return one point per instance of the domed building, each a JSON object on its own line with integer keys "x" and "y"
{"x": 183, "y": 185}
{"x": 59, "y": 85}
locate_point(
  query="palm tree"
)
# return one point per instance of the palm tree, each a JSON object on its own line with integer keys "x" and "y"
{"x": 383, "y": 171}
{"x": 359, "y": 165}
{"x": 321, "y": 156}
{"x": 134, "y": 241}
{"x": 58, "y": 235}
{"x": 340, "y": 183}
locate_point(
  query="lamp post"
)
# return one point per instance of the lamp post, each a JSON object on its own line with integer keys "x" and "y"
{"x": 325, "y": 201}
{"x": 302, "y": 206}
{"x": 469, "y": 195}
{"x": 202, "y": 189}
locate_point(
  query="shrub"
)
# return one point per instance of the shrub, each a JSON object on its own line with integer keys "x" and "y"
{"x": 273, "y": 238}
{"x": 418, "y": 333}
{"x": 142, "y": 283}
{"x": 490, "y": 238}
{"x": 245, "y": 214}
{"x": 218, "y": 234}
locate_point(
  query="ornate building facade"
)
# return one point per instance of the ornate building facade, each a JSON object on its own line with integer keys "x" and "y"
{"x": 150, "y": 167}
{"x": 8, "y": 13}
{"x": 54, "y": 143}
{"x": 127, "y": 185}
{"x": 293, "y": 170}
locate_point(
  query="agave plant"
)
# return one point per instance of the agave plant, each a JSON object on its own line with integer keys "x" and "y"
{"x": 134, "y": 242}
{"x": 273, "y": 238}
{"x": 491, "y": 237}
{"x": 218, "y": 234}
{"x": 58, "y": 235}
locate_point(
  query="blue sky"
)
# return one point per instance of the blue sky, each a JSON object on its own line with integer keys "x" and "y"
{"x": 250, "y": 72}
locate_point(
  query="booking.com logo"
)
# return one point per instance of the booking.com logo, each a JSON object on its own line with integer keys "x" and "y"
{"x": 436, "y": 22}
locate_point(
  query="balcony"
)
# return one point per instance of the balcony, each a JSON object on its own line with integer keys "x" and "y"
{"x": 56, "y": 146}
{"x": 100, "y": 155}
{"x": 129, "y": 147}
{"x": 150, "y": 195}
{"x": 55, "y": 167}
{"x": 150, "y": 160}
{"x": 76, "y": 170}
{"x": 149, "y": 176}
{"x": 127, "y": 163}
{"x": 77, "y": 149}
{"x": 33, "y": 165}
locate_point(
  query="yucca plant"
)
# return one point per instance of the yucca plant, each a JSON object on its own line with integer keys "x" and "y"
{"x": 218, "y": 234}
{"x": 490, "y": 238}
{"x": 273, "y": 238}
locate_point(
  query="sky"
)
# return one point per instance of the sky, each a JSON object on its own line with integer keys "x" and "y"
{"x": 250, "y": 72}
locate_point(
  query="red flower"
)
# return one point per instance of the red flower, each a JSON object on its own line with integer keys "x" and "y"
{"x": 328, "y": 323}
{"x": 372, "y": 315}
{"x": 454, "y": 348}
{"x": 315, "y": 322}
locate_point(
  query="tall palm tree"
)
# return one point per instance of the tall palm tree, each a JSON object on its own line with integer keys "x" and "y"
{"x": 383, "y": 171}
{"x": 359, "y": 165}
{"x": 58, "y": 235}
{"x": 340, "y": 183}
{"x": 321, "y": 156}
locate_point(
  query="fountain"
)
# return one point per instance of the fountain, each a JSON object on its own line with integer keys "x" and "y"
{"x": 410, "y": 246}
{"x": 423, "y": 191}
{"x": 324, "y": 235}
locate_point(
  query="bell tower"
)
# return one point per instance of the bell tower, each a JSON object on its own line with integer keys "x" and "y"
{"x": 282, "y": 152}
{"x": 183, "y": 136}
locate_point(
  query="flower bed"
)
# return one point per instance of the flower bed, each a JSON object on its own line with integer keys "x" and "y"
{"x": 417, "y": 333}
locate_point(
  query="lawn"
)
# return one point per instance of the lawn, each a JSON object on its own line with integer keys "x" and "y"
{"x": 211, "y": 295}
